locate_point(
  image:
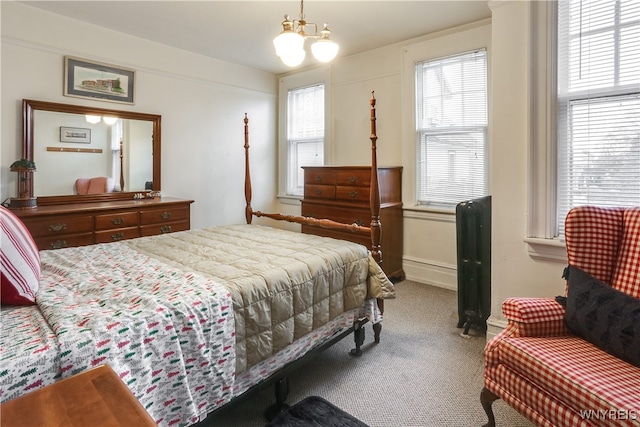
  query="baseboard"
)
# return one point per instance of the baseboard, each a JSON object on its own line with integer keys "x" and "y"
{"x": 431, "y": 272}
{"x": 495, "y": 325}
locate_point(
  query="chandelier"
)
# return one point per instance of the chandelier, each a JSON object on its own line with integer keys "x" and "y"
{"x": 289, "y": 43}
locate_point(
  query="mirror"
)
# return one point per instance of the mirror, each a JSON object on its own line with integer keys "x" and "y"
{"x": 68, "y": 142}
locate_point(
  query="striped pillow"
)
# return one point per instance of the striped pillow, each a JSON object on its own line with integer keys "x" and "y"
{"x": 19, "y": 261}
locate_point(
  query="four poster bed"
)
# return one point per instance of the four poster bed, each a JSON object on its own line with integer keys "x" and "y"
{"x": 193, "y": 321}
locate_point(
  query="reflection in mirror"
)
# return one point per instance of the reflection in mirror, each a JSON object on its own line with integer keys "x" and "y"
{"x": 68, "y": 147}
{"x": 71, "y": 142}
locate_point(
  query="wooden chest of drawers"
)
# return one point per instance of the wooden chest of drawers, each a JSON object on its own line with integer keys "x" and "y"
{"x": 80, "y": 224}
{"x": 341, "y": 193}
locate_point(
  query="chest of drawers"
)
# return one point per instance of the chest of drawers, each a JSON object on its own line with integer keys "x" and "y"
{"x": 80, "y": 224}
{"x": 341, "y": 193}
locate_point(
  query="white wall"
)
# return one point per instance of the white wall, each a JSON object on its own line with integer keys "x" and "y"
{"x": 514, "y": 271}
{"x": 200, "y": 99}
{"x": 202, "y": 102}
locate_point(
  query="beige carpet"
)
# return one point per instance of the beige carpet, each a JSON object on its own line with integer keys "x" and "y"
{"x": 423, "y": 373}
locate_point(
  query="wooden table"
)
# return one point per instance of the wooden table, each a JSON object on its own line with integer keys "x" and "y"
{"x": 96, "y": 397}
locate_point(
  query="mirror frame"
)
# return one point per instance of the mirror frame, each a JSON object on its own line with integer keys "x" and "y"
{"x": 29, "y": 107}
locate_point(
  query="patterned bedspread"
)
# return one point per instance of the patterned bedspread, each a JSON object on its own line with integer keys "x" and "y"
{"x": 169, "y": 334}
{"x": 29, "y": 357}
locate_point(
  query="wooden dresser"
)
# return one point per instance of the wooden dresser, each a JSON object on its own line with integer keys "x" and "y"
{"x": 341, "y": 193}
{"x": 80, "y": 224}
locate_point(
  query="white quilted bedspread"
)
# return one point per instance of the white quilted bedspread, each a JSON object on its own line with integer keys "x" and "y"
{"x": 284, "y": 284}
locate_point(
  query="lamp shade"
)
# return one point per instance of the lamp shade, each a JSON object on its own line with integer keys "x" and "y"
{"x": 92, "y": 119}
{"x": 288, "y": 42}
{"x": 110, "y": 119}
{"x": 294, "y": 59}
{"x": 324, "y": 50}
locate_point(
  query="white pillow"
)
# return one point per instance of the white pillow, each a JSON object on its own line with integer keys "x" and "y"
{"x": 19, "y": 261}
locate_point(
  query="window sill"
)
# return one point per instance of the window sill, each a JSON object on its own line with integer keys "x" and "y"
{"x": 547, "y": 249}
{"x": 430, "y": 213}
{"x": 287, "y": 199}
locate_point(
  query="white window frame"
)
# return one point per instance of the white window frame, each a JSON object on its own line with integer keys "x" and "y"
{"x": 471, "y": 37}
{"x": 426, "y": 131}
{"x": 319, "y": 75}
{"x": 542, "y": 223}
{"x": 543, "y": 139}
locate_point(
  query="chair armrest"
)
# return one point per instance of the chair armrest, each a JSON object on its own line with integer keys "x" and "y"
{"x": 534, "y": 317}
{"x": 527, "y": 317}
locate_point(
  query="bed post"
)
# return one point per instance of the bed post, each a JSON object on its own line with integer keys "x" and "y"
{"x": 374, "y": 201}
{"x": 248, "y": 211}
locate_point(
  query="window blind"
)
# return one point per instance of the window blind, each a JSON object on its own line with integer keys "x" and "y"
{"x": 598, "y": 104}
{"x": 305, "y": 133}
{"x": 451, "y": 109}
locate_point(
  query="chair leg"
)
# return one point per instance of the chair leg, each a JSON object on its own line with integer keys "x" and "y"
{"x": 487, "y": 398}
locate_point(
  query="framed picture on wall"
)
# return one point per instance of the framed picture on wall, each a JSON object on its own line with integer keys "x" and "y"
{"x": 95, "y": 80}
{"x": 68, "y": 134}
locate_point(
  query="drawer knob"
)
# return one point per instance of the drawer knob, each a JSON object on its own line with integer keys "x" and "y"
{"x": 165, "y": 229}
{"x": 318, "y": 192}
{"x": 58, "y": 227}
{"x": 58, "y": 244}
{"x": 353, "y": 194}
{"x": 117, "y": 221}
{"x": 117, "y": 236}
{"x": 165, "y": 215}
{"x": 353, "y": 179}
{"x": 319, "y": 178}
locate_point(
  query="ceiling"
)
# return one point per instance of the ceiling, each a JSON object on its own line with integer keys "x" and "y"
{"x": 242, "y": 31}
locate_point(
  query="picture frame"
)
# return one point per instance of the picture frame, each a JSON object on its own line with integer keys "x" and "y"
{"x": 69, "y": 134}
{"x": 96, "y": 80}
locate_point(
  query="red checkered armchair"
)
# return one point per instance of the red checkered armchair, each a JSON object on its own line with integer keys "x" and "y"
{"x": 541, "y": 367}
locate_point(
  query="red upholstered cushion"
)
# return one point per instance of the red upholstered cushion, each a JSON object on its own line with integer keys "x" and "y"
{"x": 593, "y": 236}
{"x": 626, "y": 277}
{"x": 20, "y": 261}
{"x": 541, "y": 408}
{"x": 576, "y": 372}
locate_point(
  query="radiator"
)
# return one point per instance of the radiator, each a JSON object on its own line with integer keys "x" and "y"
{"x": 473, "y": 235}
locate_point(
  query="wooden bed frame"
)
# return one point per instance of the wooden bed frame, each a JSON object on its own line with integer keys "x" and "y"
{"x": 375, "y": 228}
{"x": 280, "y": 377}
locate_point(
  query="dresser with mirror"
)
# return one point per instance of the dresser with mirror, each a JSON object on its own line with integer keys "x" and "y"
{"x": 97, "y": 176}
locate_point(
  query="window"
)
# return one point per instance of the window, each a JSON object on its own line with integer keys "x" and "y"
{"x": 451, "y": 121}
{"x": 598, "y": 159}
{"x": 116, "y": 148}
{"x": 305, "y": 133}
